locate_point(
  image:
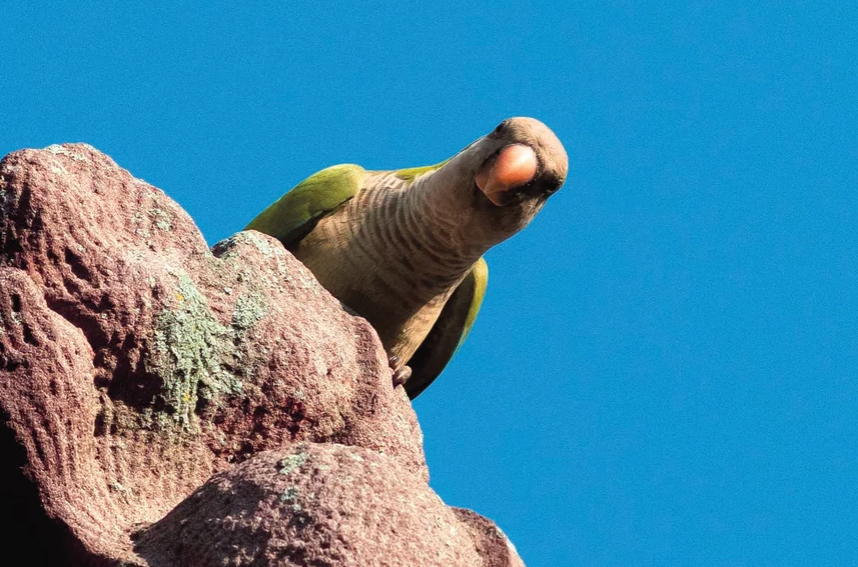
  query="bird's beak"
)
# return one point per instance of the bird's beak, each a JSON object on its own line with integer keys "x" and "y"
{"x": 514, "y": 166}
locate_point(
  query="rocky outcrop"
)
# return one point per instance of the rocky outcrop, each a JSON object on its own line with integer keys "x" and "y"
{"x": 164, "y": 403}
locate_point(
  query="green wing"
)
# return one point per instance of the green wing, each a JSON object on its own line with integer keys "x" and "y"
{"x": 409, "y": 174}
{"x": 449, "y": 332}
{"x": 295, "y": 214}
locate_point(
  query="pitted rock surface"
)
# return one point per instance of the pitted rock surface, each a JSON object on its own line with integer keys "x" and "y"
{"x": 135, "y": 363}
{"x": 313, "y": 504}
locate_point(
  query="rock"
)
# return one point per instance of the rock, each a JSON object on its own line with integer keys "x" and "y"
{"x": 491, "y": 543}
{"x": 312, "y": 504}
{"x": 135, "y": 363}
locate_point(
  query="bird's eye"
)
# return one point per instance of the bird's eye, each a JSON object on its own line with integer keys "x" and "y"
{"x": 553, "y": 187}
{"x": 500, "y": 130}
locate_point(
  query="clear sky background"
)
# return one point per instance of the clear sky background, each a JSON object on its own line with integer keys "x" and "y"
{"x": 664, "y": 369}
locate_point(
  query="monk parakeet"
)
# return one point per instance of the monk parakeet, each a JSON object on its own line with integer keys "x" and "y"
{"x": 404, "y": 248}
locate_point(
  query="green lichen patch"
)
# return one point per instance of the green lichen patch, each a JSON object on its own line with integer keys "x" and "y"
{"x": 56, "y": 149}
{"x": 191, "y": 349}
{"x": 225, "y": 248}
{"x": 290, "y": 494}
{"x": 261, "y": 244}
{"x": 58, "y": 169}
{"x": 161, "y": 219}
{"x": 122, "y": 491}
{"x": 247, "y": 311}
{"x": 290, "y": 464}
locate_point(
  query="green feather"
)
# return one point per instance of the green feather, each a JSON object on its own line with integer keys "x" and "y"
{"x": 480, "y": 275}
{"x": 450, "y": 330}
{"x": 411, "y": 173}
{"x": 294, "y": 214}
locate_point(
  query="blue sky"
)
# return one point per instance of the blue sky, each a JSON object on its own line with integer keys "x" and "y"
{"x": 664, "y": 370}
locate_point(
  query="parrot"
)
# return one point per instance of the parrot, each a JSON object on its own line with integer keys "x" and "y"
{"x": 404, "y": 248}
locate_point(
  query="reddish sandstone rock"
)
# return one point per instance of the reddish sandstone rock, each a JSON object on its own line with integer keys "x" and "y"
{"x": 491, "y": 543}
{"x": 312, "y": 504}
{"x": 135, "y": 363}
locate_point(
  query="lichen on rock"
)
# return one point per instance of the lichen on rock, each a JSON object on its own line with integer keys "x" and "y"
{"x": 190, "y": 354}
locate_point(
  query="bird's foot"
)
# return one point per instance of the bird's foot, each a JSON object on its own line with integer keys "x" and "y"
{"x": 401, "y": 374}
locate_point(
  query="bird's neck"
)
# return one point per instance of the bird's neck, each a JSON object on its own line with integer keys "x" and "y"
{"x": 394, "y": 253}
{"x": 420, "y": 232}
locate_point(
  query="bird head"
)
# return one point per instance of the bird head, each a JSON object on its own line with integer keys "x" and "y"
{"x": 501, "y": 181}
{"x": 520, "y": 160}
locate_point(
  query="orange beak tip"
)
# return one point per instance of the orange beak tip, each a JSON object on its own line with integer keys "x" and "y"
{"x": 515, "y": 166}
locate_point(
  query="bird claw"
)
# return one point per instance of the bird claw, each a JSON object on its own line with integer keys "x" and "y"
{"x": 401, "y": 374}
